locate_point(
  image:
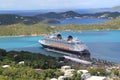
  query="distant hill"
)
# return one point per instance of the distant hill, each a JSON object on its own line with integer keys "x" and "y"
{"x": 72, "y": 14}
{"x": 116, "y": 8}
{"x": 50, "y": 18}
{"x": 7, "y": 19}
{"x": 68, "y": 14}
{"x": 110, "y": 15}
{"x": 42, "y": 29}
{"x": 43, "y": 11}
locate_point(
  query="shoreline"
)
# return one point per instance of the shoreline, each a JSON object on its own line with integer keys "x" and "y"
{"x": 24, "y": 35}
{"x": 34, "y": 35}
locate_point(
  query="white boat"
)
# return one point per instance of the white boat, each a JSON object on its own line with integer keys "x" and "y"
{"x": 57, "y": 44}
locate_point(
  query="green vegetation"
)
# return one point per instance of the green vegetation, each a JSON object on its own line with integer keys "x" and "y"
{"x": 49, "y": 21}
{"x": 76, "y": 76}
{"x": 41, "y": 67}
{"x": 116, "y": 72}
{"x": 42, "y": 29}
{"x": 8, "y": 19}
{"x": 31, "y": 59}
{"x": 111, "y": 24}
{"x": 98, "y": 71}
{"x": 27, "y": 71}
{"x": 20, "y": 72}
{"x": 50, "y": 73}
{"x": 21, "y": 29}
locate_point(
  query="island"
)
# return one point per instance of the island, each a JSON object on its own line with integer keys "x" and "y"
{"x": 44, "y": 29}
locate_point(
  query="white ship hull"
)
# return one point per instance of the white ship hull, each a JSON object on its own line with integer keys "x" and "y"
{"x": 62, "y": 46}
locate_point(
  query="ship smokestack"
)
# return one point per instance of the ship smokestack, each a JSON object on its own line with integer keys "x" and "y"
{"x": 69, "y": 38}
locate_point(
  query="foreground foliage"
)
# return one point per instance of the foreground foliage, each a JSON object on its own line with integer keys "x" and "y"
{"x": 30, "y": 69}
{"x": 30, "y": 59}
{"x": 26, "y": 73}
{"x": 40, "y": 67}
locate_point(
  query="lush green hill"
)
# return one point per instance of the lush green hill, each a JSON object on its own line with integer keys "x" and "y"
{"x": 50, "y": 17}
{"x": 72, "y": 14}
{"x": 111, "y": 24}
{"x": 42, "y": 29}
{"x": 7, "y": 19}
{"x": 21, "y": 29}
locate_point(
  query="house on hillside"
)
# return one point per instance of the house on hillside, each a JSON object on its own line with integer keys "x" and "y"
{"x": 97, "y": 78}
{"x": 5, "y": 66}
{"x": 64, "y": 68}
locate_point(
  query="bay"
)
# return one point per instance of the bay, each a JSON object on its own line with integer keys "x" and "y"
{"x": 103, "y": 44}
{"x": 80, "y": 21}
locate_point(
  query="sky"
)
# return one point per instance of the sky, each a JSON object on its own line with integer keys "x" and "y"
{"x": 56, "y": 4}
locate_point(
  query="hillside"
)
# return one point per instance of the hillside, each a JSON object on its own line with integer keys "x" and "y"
{"x": 42, "y": 29}
{"x": 113, "y": 24}
{"x": 68, "y": 14}
{"x": 23, "y": 65}
{"x": 116, "y": 8}
{"x": 7, "y": 19}
{"x": 110, "y": 15}
{"x": 72, "y": 14}
{"x": 48, "y": 18}
{"x": 27, "y": 30}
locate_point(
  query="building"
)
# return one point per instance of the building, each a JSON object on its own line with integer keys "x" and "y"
{"x": 96, "y": 78}
{"x": 5, "y": 66}
{"x": 61, "y": 78}
{"x": 64, "y": 68}
{"x": 82, "y": 71}
{"x": 53, "y": 79}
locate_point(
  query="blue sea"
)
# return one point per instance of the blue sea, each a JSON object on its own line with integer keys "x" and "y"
{"x": 102, "y": 44}
{"x": 80, "y": 21}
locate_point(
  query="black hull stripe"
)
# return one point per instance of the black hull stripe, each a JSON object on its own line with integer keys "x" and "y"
{"x": 81, "y": 53}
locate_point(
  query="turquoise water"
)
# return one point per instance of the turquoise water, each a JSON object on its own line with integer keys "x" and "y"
{"x": 80, "y": 21}
{"x": 102, "y": 44}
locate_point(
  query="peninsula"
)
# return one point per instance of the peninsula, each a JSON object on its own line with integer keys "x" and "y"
{"x": 43, "y": 29}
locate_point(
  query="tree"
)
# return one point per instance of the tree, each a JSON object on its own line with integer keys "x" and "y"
{"x": 98, "y": 71}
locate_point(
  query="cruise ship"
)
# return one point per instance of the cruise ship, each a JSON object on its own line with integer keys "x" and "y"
{"x": 69, "y": 46}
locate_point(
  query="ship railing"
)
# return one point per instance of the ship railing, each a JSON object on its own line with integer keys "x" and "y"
{"x": 65, "y": 41}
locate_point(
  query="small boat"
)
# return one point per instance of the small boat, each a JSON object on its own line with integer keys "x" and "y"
{"x": 69, "y": 46}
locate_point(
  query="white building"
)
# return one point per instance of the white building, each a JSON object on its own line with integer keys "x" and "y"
{"x": 61, "y": 78}
{"x": 5, "y": 66}
{"x": 82, "y": 71}
{"x": 96, "y": 78}
{"x": 53, "y": 79}
{"x": 64, "y": 68}
{"x": 21, "y": 62}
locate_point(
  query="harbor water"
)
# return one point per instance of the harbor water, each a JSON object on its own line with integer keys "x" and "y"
{"x": 103, "y": 44}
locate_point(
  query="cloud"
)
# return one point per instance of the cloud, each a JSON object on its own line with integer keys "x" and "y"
{"x": 55, "y": 4}
{"x": 5, "y": 4}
